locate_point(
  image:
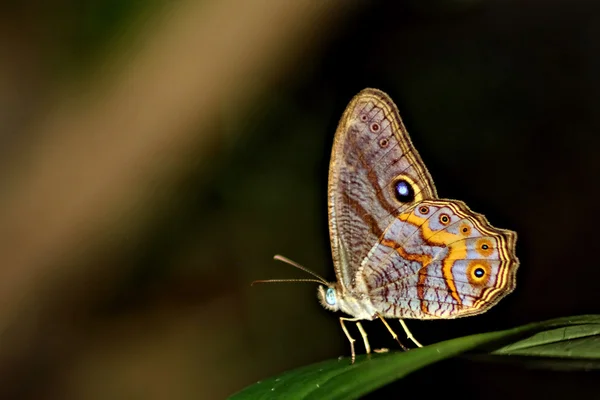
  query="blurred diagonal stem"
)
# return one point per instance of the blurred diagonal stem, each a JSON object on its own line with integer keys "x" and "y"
{"x": 103, "y": 151}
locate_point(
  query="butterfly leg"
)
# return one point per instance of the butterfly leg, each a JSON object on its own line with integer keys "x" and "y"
{"x": 389, "y": 328}
{"x": 350, "y": 338}
{"x": 364, "y": 336}
{"x": 409, "y": 334}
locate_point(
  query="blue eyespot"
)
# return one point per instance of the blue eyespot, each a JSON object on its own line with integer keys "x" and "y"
{"x": 479, "y": 272}
{"x": 330, "y": 297}
{"x": 404, "y": 191}
{"x": 402, "y": 188}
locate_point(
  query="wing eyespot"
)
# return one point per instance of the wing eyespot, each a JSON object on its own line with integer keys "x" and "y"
{"x": 403, "y": 191}
{"x": 484, "y": 247}
{"x": 384, "y": 142}
{"x": 374, "y": 127}
{"x": 465, "y": 229}
{"x": 444, "y": 219}
{"x": 478, "y": 272}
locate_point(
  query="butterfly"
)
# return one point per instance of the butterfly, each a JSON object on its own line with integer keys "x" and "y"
{"x": 398, "y": 250}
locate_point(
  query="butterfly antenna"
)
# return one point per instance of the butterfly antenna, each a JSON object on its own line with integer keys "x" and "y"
{"x": 294, "y": 264}
{"x": 285, "y": 280}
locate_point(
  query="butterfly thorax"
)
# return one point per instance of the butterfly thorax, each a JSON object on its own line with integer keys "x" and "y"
{"x": 334, "y": 298}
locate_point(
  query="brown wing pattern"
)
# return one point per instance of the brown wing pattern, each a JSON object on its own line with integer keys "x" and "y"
{"x": 440, "y": 260}
{"x": 375, "y": 173}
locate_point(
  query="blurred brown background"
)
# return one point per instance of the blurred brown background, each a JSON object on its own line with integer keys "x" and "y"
{"x": 154, "y": 156}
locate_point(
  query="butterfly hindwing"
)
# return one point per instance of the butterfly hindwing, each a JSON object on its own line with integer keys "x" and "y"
{"x": 440, "y": 260}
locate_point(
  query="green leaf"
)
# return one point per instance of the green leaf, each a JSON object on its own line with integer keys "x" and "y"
{"x": 569, "y": 347}
{"x": 574, "y": 341}
{"x": 574, "y": 337}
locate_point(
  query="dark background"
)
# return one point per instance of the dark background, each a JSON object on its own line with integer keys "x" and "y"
{"x": 501, "y": 99}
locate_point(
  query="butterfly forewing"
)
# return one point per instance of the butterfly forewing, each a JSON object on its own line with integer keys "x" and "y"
{"x": 375, "y": 174}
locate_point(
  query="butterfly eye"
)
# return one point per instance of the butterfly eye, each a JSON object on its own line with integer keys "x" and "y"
{"x": 404, "y": 191}
{"x": 330, "y": 297}
{"x": 374, "y": 127}
{"x": 384, "y": 142}
{"x": 444, "y": 219}
{"x": 424, "y": 210}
